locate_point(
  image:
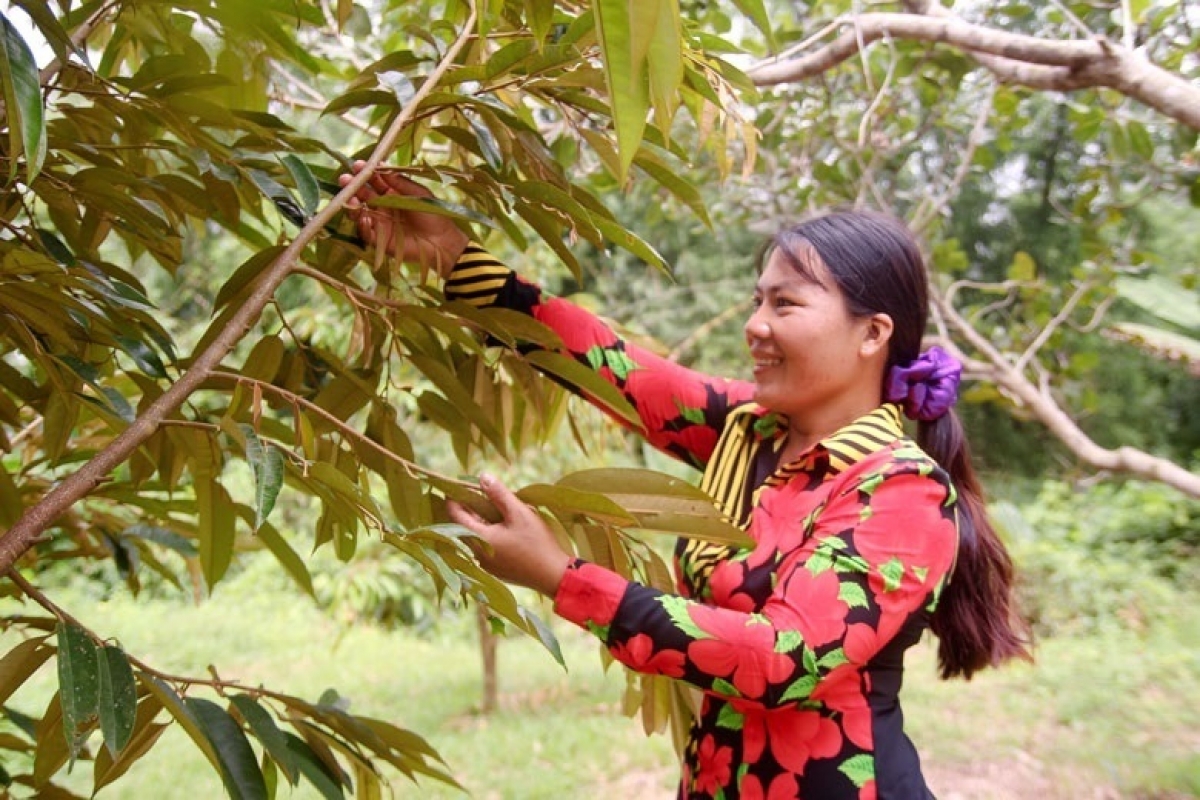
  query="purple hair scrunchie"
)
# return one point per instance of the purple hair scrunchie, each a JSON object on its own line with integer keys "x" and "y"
{"x": 927, "y": 387}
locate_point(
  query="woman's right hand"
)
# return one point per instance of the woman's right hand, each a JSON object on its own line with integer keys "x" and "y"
{"x": 430, "y": 240}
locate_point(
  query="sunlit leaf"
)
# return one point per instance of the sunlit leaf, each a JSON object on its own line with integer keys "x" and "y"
{"x": 21, "y": 88}
{"x": 623, "y": 40}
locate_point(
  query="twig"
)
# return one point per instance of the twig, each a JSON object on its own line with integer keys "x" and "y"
{"x": 929, "y": 210}
{"x": 413, "y": 470}
{"x": 62, "y": 615}
{"x": 1053, "y": 325}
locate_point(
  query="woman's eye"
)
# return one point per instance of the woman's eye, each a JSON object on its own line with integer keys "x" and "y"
{"x": 756, "y": 301}
{"x": 783, "y": 302}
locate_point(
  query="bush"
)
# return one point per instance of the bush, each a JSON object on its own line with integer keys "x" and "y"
{"x": 1111, "y": 554}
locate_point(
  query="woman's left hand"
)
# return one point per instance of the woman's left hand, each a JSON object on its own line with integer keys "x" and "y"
{"x": 523, "y": 549}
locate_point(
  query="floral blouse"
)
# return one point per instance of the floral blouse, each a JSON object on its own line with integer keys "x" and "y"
{"x": 797, "y": 642}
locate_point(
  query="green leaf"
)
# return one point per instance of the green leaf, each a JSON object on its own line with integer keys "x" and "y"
{"x": 21, "y": 88}
{"x": 269, "y": 735}
{"x": 79, "y": 683}
{"x": 585, "y": 381}
{"x": 670, "y": 179}
{"x": 286, "y": 556}
{"x": 664, "y": 61}
{"x": 118, "y": 699}
{"x": 306, "y": 182}
{"x": 623, "y": 41}
{"x": 182, "y": 714}
{"x": 266, "y": 462}
{"x": 544, "y": 635}
{"x": 1164, "y": 298}
{"x": 239, "y": 765}
{"x": 315, "y": 769}
{"x": 757, "y": 12}
{"x": 575, "y": 501}
{"x": 539, "y": 14}
{"x": 1023, "y": 267}
{"x": 215, "y": 526}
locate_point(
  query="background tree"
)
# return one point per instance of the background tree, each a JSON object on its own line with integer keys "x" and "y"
{"x": 159, "y": 129}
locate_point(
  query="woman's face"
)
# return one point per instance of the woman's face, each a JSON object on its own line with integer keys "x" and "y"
{"x": 811, "y": 357}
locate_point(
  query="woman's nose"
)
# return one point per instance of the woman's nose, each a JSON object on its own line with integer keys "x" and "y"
{"x": 756, "y": 327}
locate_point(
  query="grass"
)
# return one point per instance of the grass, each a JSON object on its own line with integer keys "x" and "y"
{"x": 1109, "y": 715}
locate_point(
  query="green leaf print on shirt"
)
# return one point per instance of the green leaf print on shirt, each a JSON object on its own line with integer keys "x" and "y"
{"x": 677, "y": 608}
{"x": 787, "y": 641}
{"x": 615, "y": 359}
{"x": 853, "y": 595}
{"x": 860, "y": 769}
{"x": 730, "y": 718}
{"x": 893, "y": 573}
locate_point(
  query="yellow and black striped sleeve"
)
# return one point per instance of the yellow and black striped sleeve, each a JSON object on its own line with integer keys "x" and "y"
{"x": 479, "y": 278}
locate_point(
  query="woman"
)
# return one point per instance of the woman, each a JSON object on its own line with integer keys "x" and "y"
{"x": 863, "y": 538}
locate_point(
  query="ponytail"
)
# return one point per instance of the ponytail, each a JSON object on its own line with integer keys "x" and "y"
{"x": 878, "y": 268}
{"x": 976, "y": 620}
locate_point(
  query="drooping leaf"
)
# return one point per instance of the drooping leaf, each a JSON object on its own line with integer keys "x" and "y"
{"x": 118, "y": 698}
{"x": 183, "y": 715}
{"x": 239, "y": 767}
{"x": 21, "y": 88}
{"x": 757, "y": 12}
{"x": 319, "y": 774}
{"x": 269, "y": 735}
{"x": 215, "y": 526}
{"x": 79, "y": 683}
{"x": 266, "y": 462}
{"x": 623, "y": 37}
{"x": 291, "y": 562}
{"x": 664, "y": 63}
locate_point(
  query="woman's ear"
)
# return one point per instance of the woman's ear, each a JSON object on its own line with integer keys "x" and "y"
{"x": 877, "y": 335}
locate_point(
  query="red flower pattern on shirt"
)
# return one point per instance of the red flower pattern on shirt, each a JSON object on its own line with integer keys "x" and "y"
{"x": 714, "y": 768}
{"x": 638, "y": 654}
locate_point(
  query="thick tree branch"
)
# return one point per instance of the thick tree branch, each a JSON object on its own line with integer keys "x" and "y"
{"x": 1014, "y": 58}
{"x": 26, "y": 531}
{"x": 1042, "y": 405}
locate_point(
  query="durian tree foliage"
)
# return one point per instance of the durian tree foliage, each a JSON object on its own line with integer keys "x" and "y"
{"x": 202, "y": 140}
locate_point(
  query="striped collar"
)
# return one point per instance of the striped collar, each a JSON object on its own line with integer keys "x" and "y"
{"x": 847, "y": 446}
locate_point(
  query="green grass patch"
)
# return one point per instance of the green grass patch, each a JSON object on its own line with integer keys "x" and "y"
{"x": 1115, "y": 712}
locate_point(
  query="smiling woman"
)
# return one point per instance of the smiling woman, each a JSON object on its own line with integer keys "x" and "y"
{"x": 862, "y": 538}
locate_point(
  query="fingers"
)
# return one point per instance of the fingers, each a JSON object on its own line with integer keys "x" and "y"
{"x": 508, "y": 504}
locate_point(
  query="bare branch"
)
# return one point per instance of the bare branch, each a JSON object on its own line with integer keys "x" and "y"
{"x": 1014, "y": 58}
{"x": 1042, "y": 405}
{"x": 929, "y": 209}
{"x": 1044, "y": 336}
{"x": 22, "y": 535}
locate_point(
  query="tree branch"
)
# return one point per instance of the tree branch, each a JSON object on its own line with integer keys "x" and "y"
{"x": 1014, "y": 58}
{"x": 1128, "y": 460}
{"x": 26, "y": 531}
